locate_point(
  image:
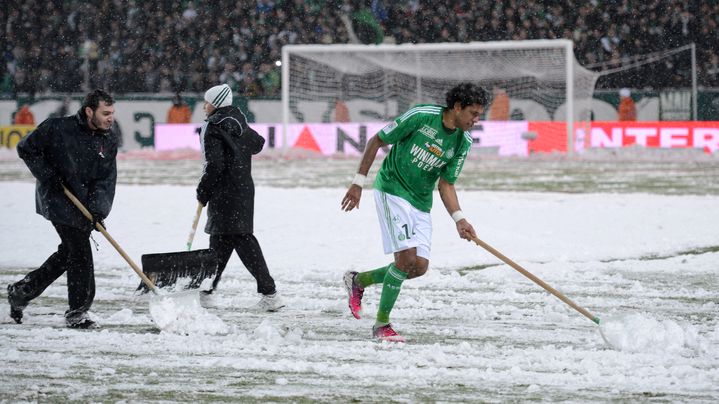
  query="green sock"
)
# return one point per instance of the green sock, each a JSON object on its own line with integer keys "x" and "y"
{"x": 390, "y": 290}
{"x": 371, "y": 277}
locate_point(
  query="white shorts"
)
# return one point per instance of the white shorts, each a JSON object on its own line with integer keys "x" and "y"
{"x": 403, "y": 226}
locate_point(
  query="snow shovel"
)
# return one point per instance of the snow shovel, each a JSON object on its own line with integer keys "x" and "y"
{"x": 195, "y": 266}
{"x": 146, "y": 282}
{"x": 609, "y": 339}
{"x": 171, "y": 312}
{"x": 536, "y": 280}
{"x": 612, "y": 331}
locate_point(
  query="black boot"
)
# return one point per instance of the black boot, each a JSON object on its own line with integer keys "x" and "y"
{"x": 17, "y": 303}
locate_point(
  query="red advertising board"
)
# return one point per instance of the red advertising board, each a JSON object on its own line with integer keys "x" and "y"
{"x": 667, "y": 134}
{"x": 552, "y": 136}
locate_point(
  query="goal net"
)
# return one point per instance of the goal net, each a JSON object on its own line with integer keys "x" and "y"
{"x": 538, "y": 82}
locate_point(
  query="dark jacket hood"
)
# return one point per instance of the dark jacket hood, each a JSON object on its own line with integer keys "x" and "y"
{"x": 226, "y": 183}
{"x": 229, "y": 111}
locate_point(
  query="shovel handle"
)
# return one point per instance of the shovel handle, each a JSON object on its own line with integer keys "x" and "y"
{"x": 112, "y": 241}
{"x": 198, "y": 213}
{"x": 536, "y": 280}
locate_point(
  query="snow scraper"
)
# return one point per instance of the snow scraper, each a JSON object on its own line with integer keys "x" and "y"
{"x": 536, "y": 280}
{"x": 193, "y": 267}
{"x": 145, "y": 280}
{"x": 168, "y": 310}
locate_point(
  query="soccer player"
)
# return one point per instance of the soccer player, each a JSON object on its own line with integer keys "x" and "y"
{"x": 430, "y": 144}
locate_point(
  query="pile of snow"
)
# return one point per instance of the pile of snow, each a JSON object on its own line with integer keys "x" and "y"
{"x": 642, "y": 333}
{"x": 181, "y": 313}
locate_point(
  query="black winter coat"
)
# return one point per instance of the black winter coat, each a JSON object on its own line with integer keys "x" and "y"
{"x": 66, "y": 148}
{"x": 226, "y": 186}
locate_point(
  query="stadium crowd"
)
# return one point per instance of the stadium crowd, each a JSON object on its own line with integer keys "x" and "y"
{"x": 169, "y": 46}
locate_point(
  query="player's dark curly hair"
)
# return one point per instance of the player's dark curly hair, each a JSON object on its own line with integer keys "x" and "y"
{"x": 93, "y": 98}
{"x": 467, "y": 94}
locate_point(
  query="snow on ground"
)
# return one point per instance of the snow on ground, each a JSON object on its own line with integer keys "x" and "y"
{"x": 477, "y": 330}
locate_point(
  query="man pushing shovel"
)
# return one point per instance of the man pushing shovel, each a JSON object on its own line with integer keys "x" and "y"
{"x": 226, "y": 187}
{"x": 77, "y": 152}
{"x": 430, "y": 145}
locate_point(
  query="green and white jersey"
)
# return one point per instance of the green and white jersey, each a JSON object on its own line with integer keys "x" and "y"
{"x": 422, "y": 151}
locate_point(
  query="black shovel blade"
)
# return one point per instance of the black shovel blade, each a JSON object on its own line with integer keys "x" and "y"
{"x": 164, "y": 269}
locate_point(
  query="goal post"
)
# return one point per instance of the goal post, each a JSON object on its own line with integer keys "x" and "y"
{"x": 542, "y": 78}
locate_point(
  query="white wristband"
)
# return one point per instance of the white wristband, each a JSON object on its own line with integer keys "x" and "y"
{"x": 359, "y": 180}
{"x": 457, "y": 216}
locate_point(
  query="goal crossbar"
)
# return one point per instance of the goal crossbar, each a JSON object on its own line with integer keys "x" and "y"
{"x": 357, "y": 59}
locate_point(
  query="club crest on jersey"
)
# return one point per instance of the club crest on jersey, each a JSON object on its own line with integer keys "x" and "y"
{"x": 428, "y": 131}
{"x": 390, "y": 127}
{"x": 434, "y": 149}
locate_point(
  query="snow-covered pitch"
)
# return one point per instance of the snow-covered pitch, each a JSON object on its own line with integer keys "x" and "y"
{"x": 477, "y": 330}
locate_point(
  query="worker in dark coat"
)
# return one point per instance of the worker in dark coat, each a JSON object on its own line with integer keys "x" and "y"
{"x": 77, "y": 152}
{"x": 226, "y": 187}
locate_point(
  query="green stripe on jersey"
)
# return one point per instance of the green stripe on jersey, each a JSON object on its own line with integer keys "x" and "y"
{"x": 417, "y": 110}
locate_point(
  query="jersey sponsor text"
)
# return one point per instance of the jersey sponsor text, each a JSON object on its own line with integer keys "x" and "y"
{"x": 425, "y": 160}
